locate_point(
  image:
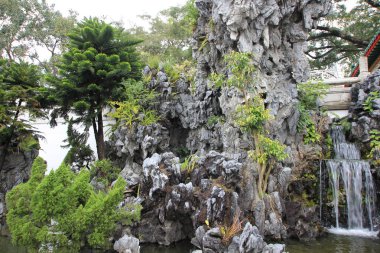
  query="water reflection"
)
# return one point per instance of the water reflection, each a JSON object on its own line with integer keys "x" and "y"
{"x": 336, "y": 244}
{"x": 329, "y": 244}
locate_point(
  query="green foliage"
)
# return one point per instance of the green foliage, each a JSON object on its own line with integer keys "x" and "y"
{"x": 103, "y": 171}
{"x": 374, "y": 145}
{"x": 306, "y": 124}
{"x": 21, "y": 95}
{"x": 213, "y": 120}
{"x": 170, "y": 34}
{"x": 99, "y": 57}
{"x": 240, "y": 72}
{"x": 182, "y": 152}
{"x": 80, "y": 153}
{"x": 189, "y": 163}
{"x": 28, "y": 23}
{"x": 174, "y": 72}
{"x": 343, "y": 34}
{"x": 368, "y": 103}
{"x": 62, "y": 209}
{"x": 310, "y": 92}
{"x": 270, "y": 149}
{"x": 29, "y": 143}
{"x": 308, "y": 95}
{"x": 135, "y": 107}
{"x": 191, "y": 14}
{"x": 251, "y": 117}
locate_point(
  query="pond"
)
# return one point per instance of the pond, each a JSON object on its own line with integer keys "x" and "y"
{"x": 329, "y": 244}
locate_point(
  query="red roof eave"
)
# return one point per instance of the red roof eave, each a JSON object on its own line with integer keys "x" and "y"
{"x": 367, "y": 53}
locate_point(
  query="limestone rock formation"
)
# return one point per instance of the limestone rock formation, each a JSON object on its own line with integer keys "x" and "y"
{"x": 366, "y": 118}
{"x": 219, "y": 181}
{"x": 127, "y": 244}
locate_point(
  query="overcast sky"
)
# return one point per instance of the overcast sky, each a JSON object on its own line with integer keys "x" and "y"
{"x": 115, "y": 10}
{"x": 120, "y": 10}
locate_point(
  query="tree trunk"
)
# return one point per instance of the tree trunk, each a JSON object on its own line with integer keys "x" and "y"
{"x": 99, "y": 136}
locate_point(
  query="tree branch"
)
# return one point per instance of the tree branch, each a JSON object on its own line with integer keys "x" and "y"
{"x": 335, "y": 32}
{"x": 373, "y": 3}
{"x": 318, "y": 48}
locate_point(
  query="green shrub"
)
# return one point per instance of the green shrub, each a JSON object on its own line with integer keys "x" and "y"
{"x": 29, "y": 143}
{"x": 308, "y": 95}
{"x": 213, "y": 120}
{"x": 189, "y": 163}
{"x": 103, "y": 171}
{"x": 374, "y": 145}
{"x": 368, "y": 103}
{"x": 136, "y": 106}
{"x": 62, "y": 209}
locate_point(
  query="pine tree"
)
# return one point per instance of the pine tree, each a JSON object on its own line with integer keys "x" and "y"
{"x": 20, "y": 95}
{"x": 99, "y": 57}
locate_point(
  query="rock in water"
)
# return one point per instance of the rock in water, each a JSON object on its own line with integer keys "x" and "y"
{"x": 127, "y": 244}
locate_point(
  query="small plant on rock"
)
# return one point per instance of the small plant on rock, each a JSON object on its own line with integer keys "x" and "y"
{"x": 375, "y": 145}
{"x": 135, "y": 108}
{"x": 189, "y": 163}
{"x": 252, "y": 116}
{"x": 308, "y": 94}
{"x": 368, "y": 103}
{"x": 228, "y": 232}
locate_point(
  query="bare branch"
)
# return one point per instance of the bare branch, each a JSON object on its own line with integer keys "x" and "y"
{"x": 335, "y": 32}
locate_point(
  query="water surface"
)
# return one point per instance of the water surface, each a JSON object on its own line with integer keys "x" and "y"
{"x": 336, "y": 244}
{"x": 330, "y": 244}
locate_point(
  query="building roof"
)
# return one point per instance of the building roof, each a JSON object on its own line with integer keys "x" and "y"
{"x": 373, "y": 54}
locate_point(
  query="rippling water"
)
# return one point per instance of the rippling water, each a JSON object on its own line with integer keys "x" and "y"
{"x": 329, "y": 244}
{"x": 336, "y": 244}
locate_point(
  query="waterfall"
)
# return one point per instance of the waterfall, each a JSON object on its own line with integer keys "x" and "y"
{"x": 347, "y": 170}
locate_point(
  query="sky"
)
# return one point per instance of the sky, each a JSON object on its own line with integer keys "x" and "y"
{"x": 115, "y": 10}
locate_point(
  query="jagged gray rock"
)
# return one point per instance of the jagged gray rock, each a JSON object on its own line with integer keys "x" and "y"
{"x": 16, "y": 169}
{"x": 222, "y": 180}
{"x": 127, "y": 244}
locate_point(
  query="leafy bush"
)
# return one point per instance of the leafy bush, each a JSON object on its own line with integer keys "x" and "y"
{"x": 29, "y": 143}
{"x": 252, "y": 116}
{"x": 375, "y": 145}
{"x": 134, "y": 108}
{"x": 62, "y": 209}
{"x": 213, "y": 120}
{"x": 368, "y": 103}
{"x": 308, "y": 94}
{"x": 189, "y": 163}
{"x": 103, "y": 171}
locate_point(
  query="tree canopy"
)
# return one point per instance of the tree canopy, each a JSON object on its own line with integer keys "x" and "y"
{"x": 169, "y": 35}
{"x": 26, "y": 24}
{"x": 91, "y": 73}
{"x": 343, "y": 34}
{"x": 21, "y": 97}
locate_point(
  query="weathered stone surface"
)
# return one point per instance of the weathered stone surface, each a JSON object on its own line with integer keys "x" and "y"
{"x": 16, "y": 169}
{"x": 250, "y": 239}
{"x": 127, "y": 244}
{"x": 221, "y": 180}
{"x": 303, "y": 221}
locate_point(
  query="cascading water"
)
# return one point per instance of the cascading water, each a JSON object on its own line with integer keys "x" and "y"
{"x": 347, "y": 170}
